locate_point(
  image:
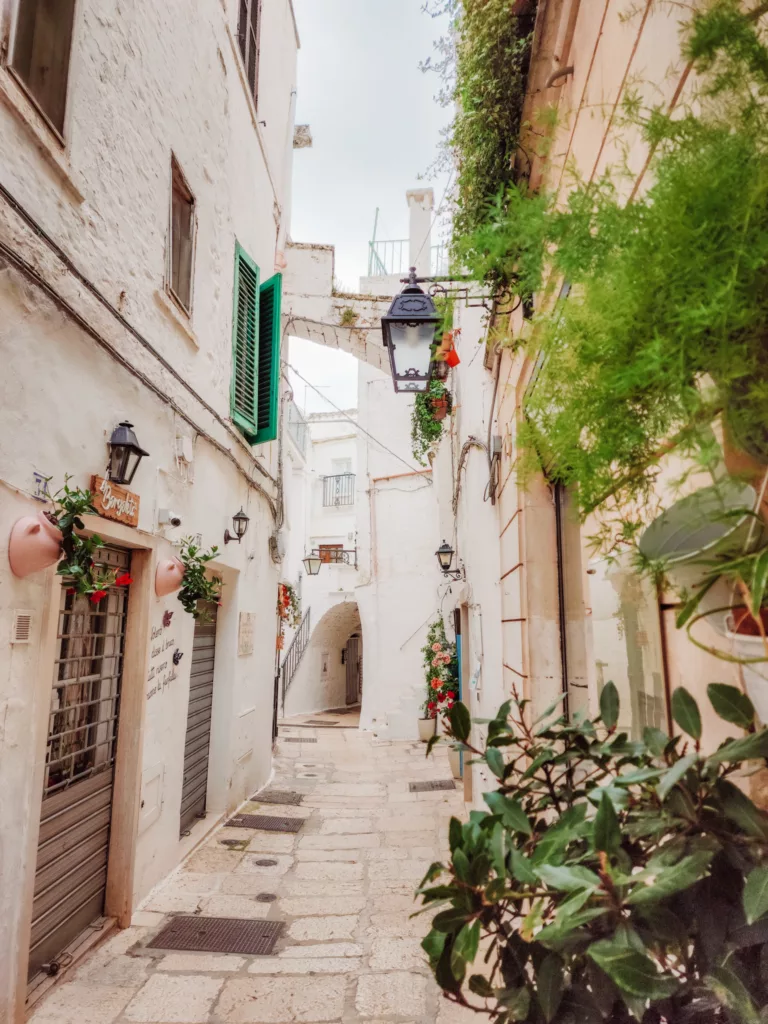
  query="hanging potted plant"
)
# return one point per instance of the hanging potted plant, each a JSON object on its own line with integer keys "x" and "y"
{"x": 196, "y": 586}
{"x": 441, "y": 679}
{"x": 429, "y": 409}
{"x": 288, "y": 605}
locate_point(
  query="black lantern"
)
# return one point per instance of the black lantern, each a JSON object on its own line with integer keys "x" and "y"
{"x": 445, "y": 555}
{"x": 312, "y": 564}
{"x": 408, "y": 330}
{"x": 240, "y": 523}
{"x": 125, "y": 454}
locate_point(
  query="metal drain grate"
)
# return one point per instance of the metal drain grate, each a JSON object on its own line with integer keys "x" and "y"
{"x": 266, "y": 897}
{"x": 430, "y": 787}
{"x": 265, "y": 862}
{"x": 278, "y": 796}
{"x": 265, "y": 822}
{"x": 218, "y": 935}
{"x": 297, "y": 739}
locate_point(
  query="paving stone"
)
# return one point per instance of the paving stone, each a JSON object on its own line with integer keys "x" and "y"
{"x": 398, "y": 923}
{"x": 396, "y": 954}
{"x": 200, "y": 962}
{"x": 108, "y": 969}
{"x": 173, "y": 903}
{"x": 391, "y": 902}
{"x": 212, "y": 860}
{"x": 399, "y": 823}
{"x": 78, "y": 1002}
{"x": 343, "y": 856}
{"x": 202, "y": 883}
{"x": 339, "y": 842}
{"x": 322, "y": 949}
{"x": 397, "y": 994}
{"x": 247, "y": 885}
{"x": 346, "y": 826}
{"x": 250, "y": 864}
{"x": 318, "y": 887}
{"x": 265, "y": 1000}
{"x": 323, "y": 928}
{"x": 410, "y": 839}
{"x": 147, "y": 918}
{"x": 313, "y": 965}
{"x": 330, "y": 871}
{"x": 222, "y": 905}
{"x": 387, "y": 853}
{"x": 186, "y": 998}
{"x": 318, "y": 906}
{"x": 262, "y": 842}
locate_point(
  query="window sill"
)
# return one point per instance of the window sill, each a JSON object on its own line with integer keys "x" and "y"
{"x": 52, "y": 149}
{"x": 179, "y": 319}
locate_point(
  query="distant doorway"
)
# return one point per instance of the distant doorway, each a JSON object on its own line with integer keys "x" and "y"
{"x": 353, "y": 665}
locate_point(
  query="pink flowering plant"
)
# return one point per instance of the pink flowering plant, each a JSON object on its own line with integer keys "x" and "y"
{"x": 441, "y": 672}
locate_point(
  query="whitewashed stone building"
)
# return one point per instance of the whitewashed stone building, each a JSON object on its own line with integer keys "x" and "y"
{"x": 145, "y": 160}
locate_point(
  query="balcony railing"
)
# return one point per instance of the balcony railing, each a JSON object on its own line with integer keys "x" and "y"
{"x": 297, "y": 428}
{"x": 339, "y": 490}
{"x": 332, "y": 554}
{"x": 387, "y": 257}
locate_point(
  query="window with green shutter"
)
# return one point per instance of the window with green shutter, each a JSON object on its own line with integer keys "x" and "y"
{"x": 269, "y": 359}
{"x": 255, "y": 351}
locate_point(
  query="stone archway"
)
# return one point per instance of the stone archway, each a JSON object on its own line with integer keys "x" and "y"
{"x": 320, "y": 681}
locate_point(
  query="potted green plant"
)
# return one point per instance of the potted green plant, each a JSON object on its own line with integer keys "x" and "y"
{"x": 197, "y": 586}
{"x": 440, "y": 678}
{"x": 429, "y": 410}
{"x": 609, "y": 880}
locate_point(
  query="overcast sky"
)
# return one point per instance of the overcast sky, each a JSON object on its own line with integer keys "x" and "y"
{"x": 376, "y": 129}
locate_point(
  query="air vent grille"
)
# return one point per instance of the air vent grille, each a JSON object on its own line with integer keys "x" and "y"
{"x": 22, "y": 627}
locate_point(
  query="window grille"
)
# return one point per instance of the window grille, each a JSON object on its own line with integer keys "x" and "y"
{"x": 339, "y": 490}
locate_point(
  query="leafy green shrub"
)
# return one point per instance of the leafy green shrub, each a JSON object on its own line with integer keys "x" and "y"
{"x": 196, "y": 586}
{"x": 426, "y": 431}
{"x": 78, "y": 561}
{"x": 609, "y": 880}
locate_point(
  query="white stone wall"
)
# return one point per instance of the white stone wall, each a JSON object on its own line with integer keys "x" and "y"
{"x": 147, "y": 80}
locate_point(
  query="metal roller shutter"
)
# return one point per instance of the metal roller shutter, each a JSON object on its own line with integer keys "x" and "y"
{"x": 73, "y": 846}
{"x": 198, "y": 740}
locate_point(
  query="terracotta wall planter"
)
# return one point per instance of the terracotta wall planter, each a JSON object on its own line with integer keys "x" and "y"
{"x": 439, "y": 408}
{"x": 169, "y": 576}
{"x": 35, "y": 543}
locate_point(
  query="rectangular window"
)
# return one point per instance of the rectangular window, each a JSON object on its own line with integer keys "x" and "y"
{"x": 330, "y": 553}
{"x": 182, "y": 240}
{"x": 341, "y": 466}
{"x": 41, "y": 48}
{"x": 248, "y": 27}
{"x": 256, "y": 351}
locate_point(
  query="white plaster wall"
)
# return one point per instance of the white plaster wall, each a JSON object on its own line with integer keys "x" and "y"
{"x": 104, "y": 198}
{"x": 320, "y": 680}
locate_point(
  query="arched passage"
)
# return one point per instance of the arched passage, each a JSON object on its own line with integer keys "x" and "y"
{"x": 330, "y": 672}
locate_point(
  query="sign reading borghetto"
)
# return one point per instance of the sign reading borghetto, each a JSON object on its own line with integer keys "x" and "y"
{"x": 114, "y": 502}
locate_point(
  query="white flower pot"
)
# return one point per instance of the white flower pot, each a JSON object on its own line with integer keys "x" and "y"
{"x": 755, "y": 675}
{"x": 454, "y": 758}
{"x": 427, "y": 728}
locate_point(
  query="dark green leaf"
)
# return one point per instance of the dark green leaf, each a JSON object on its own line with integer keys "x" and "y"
{"x": 452, "y": 920}
{"x": 461, "y": 724}
{"x": 461, "y": 864}
{"x": 748, "y": 748}
{"x": 738, "y": 808}
{"x": 433, "y": 871}
{"x": 444, "y": 971}
{"x": 495, "y": 762}
{"x": 455, "y": 834}
{"x": 609, "y": 705}
{"x": 655, "y": 740}
{"x": 554, "y": 934}
{"x": 685, "y": 712}
{"x": 672, "y": 879}
{"x": 516, "y": 1001}
{"x": 497, "y": 849}
{"x": 480, "y": 986}
{"x": 510, "y": 811}
{"x": 755, "y": 897}
{"x": 732, "y": 994}
{"x": 632, "y": 971}
{"x": 550, "y": 985}
{"x": 607, "y": 834}
{"x": 433, "y": 943}
{"x": 567, "y": 879}
{"x": 466, "y": 942}
{"x": 759, "y": 580}
{"x": 431, "y": 742}
{"x": 731, "y": 704}
{"x": 522, "y": 869}
{"x": 675, "y": 774}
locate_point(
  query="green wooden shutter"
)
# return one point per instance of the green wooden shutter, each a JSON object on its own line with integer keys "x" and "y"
{"x": 269, "y": 359}
{"x": 245, "y": 345}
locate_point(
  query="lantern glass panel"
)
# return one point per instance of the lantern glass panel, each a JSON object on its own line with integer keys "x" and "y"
{"x": 444, "y": 556}
{"x": 132, "y": 460}
{"x": 412, "y": 347}
{"x": 312, "y": 564}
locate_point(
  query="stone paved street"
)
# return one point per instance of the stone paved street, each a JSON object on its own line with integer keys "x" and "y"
{"x": 343, "y": 886}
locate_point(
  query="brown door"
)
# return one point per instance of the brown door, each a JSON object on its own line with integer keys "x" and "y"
{"x": 353, "y": 670}
{"x": 198, "y": 742}
{"x": 73, "y": 846}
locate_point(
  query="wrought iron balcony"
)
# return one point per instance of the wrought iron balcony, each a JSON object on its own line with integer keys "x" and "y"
{"x": 335, "y": 554}
{"x": 339, "y": 490}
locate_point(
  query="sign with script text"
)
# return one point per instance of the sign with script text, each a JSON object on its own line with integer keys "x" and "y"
{"x": 114, "y": 502}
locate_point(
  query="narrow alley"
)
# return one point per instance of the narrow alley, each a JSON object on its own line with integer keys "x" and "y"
{"x": 341, "y": 888}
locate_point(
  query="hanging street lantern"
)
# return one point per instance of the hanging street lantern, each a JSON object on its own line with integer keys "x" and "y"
{"x": 312, "y": 564}
{"x": 125, "y": 454}
{"x": 408, "y": 331}
{"x": 445, "y": 555}
{"x": 240, "y": 523}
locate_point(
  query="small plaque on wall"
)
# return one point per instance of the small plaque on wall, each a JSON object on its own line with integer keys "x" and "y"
{"x": 114, "y": 502}
{"x": 245, "y": 633}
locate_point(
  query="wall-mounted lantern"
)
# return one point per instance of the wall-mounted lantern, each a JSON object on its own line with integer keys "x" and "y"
{"x": 125, "y": 454}
{"x": 312, "y": 564}
{"x": 240, "y": 525}
{"x": 445, "y": 555}
{"x": 408, "y": 330}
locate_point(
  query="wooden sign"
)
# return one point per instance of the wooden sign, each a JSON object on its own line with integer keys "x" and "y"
{"x": 114, "y": 502}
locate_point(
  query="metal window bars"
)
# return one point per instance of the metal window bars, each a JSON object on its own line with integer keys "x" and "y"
{"x": 339, "y": 490}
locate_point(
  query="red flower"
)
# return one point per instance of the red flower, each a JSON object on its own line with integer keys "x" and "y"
{"x": 124, "y": 580}
{"x": 70, "y": 590}
{"x": 431, "y": 705}
{"x": 450, "y": 695}
{"x": 97, "y": 595}
{"x": 436, "y": 684}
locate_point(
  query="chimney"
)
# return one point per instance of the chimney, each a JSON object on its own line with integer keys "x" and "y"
{"x": 420, "y": 204}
